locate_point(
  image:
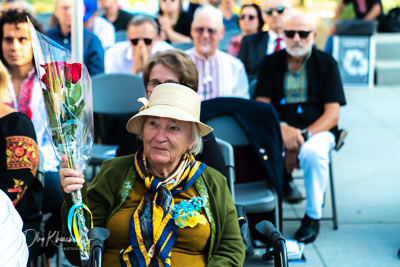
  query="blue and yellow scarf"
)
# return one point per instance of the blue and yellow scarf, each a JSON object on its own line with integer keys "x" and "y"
{"x": 152, "y": 231}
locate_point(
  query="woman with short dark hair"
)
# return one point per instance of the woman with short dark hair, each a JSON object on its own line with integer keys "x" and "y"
{"x": 177, "y": 67}
{"x": 174, "y": 23}
{"x": 251, "y": 21}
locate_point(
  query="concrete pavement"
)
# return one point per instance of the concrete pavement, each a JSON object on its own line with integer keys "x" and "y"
{"x": 367, "y": 183}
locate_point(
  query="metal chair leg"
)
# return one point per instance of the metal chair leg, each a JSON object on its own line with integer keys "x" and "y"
{"x": 334, "y": 217}
{"x": 333, "y": 199}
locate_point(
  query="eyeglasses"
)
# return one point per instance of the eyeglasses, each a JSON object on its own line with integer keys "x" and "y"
{"x": 302, "y": 34}
{"x": 210, "y": 31}
{"x": 147, "y": 41}
{"x": 278, "y": 9}
{"x": 154, "y": 83}
{"x": 251, "y": 17}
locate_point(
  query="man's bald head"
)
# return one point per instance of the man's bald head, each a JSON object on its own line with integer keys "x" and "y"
{"x": 300, "y": 19}
{"x": 299, "y": 35}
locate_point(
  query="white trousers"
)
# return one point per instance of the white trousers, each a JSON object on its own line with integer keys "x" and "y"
{"x": 314, "y": 160}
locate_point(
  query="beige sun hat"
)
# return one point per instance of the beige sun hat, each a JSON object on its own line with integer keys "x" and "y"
{"x": 170, "y": 100}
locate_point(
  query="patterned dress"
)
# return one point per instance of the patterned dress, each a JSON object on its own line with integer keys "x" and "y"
{"x": 19, "y": 158}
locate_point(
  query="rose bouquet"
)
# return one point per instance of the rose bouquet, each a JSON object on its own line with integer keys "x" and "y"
{"x": 67, "y": 95}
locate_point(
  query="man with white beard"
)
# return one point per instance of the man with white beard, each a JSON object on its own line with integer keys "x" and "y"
{"x": 305, "y": 88}
{"x": 220, "y": 74}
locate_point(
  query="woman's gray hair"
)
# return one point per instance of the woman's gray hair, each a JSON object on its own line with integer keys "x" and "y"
{"x": 198, "y": 142}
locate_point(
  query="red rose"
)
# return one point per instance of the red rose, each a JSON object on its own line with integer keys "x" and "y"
{"x": 73, "y": 72}
{"x": 45, "y": 80}
{"x": 19, "y": 151}
{"x": 53, "y": 71}
{"x": 55, "y": 67}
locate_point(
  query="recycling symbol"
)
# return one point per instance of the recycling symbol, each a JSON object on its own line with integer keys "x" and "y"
{"x": 355, "y": 63}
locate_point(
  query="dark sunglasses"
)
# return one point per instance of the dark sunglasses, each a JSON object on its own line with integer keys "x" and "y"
{"x": 278, "y": 9}
{"x": 302, "y": 34}
{"x": 210, "y": 31}
{"x": 147, "y": 41}
{"x": 251, "y": 17}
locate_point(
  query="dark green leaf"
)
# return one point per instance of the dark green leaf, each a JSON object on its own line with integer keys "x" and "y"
{"x": 76, "y": 92}
{"x": 71, "y": 101}
{"x": 80, "y": 108}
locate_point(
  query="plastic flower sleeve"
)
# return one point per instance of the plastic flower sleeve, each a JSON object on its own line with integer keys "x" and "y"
{"x": 67, "y": 95}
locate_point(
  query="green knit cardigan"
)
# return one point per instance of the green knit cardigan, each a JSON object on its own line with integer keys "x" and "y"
{"x": 116, "y": 178}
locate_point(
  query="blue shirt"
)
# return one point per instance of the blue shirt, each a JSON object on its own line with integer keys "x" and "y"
{"x": 93, "y": 54}
{"x": 232, "y": 24}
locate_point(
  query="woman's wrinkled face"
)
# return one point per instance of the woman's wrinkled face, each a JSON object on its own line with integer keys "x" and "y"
{"x": 165, "y": 140}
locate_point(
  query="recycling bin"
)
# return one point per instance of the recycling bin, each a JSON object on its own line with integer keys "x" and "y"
{"x": 354, "y": 50}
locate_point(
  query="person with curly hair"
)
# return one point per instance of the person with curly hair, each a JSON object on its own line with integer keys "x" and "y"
{"x": 25, "y": 95}
{"x": 19, "y": 158}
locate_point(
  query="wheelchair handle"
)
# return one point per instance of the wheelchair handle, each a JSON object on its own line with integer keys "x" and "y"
{"x": 275, "y": 238}
{"x": 97, "y": 236}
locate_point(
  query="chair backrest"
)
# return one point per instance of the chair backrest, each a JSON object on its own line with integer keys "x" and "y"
{"x": 120, "y": 36}
{"x": 253, "y": 129}
{"x": 227, "y": 152}
{"x": 44, "y": 20}
{"x": 227, "y": 128}
{"x": 117, "y": 93}
{"x": 183, "y": 46}
{"x": 223, "y": 44}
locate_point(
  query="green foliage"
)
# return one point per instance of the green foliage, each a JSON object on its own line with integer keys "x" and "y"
{"x": 64, "y": 122}
{"x": 76, "y": 92}
{"x": 390, "y": 4}
{"x": 43, "y": 6}
{"x": 348, "y": 11}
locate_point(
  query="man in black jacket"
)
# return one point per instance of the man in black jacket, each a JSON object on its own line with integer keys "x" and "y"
{"x": 305, "y": 88}
{"x": 254, "y": 47}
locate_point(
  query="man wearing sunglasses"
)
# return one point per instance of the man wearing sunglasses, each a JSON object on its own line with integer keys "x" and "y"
{"x": 220, "y": 74}
{"x": 304, "y": 86}
{"x": 132, "y": 55}
{"x": 254, "y": 47}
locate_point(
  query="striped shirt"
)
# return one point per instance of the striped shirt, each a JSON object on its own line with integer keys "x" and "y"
{"x": 220, "y": 75}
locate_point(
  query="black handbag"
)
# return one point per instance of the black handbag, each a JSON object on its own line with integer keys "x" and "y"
{"x": 245, "y": 230}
